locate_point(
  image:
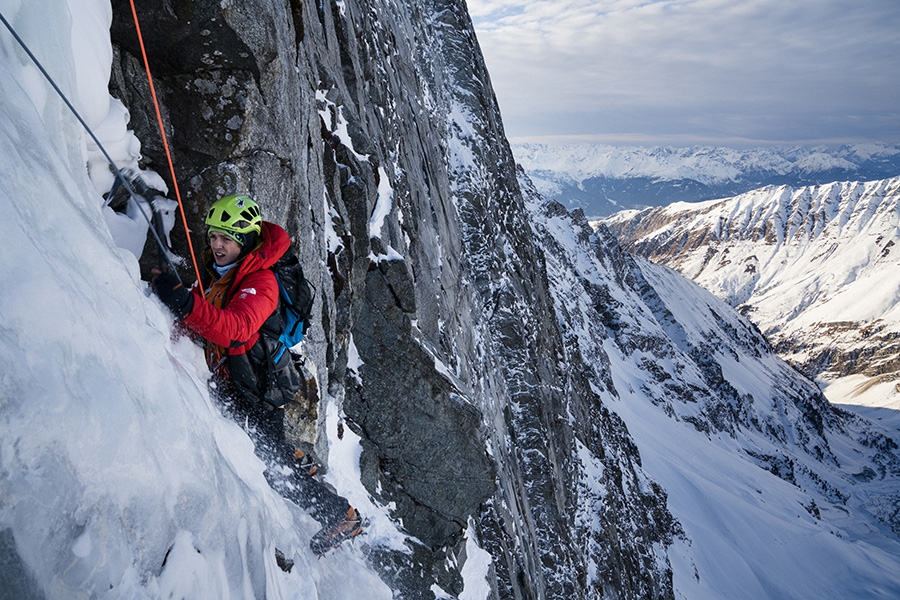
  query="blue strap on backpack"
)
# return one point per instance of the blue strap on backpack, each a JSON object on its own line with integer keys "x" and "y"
{"x": 295, "y": 301}
{"x": 294, "y": 322}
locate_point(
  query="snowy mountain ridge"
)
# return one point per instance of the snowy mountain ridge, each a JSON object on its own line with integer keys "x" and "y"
{"x": 814, "y": 267}
{"x": 698, "y": 385}
{"x": 603, "y": 179}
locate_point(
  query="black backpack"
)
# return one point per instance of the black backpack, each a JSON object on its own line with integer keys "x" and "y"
{"x": 268, "y": 370}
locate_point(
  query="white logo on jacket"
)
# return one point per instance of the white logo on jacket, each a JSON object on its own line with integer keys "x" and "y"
{"x": 246, "y": 291}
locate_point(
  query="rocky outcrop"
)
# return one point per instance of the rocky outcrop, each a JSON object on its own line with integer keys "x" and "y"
{"x": 371, "y": 132}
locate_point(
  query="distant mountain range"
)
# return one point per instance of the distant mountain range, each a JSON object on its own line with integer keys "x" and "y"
{"x": 816, "y": 268}
{"x": 603, "y": 180}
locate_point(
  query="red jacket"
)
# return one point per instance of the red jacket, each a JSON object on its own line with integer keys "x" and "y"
{"x": 229, "y": 313}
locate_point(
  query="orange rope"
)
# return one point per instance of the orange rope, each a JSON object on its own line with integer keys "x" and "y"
{"x": 162, "y": 132}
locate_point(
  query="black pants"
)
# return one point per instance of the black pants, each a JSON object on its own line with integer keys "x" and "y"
{"x": 265, "y": 426}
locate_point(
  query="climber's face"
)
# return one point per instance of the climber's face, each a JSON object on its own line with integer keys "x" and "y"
{"x": 224, "y": 249}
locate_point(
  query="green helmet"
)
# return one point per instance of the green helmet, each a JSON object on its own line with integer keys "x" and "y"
{"x": 236, "y": 216}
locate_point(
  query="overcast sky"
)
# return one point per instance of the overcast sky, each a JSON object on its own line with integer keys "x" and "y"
{"x": 722, "y": 72}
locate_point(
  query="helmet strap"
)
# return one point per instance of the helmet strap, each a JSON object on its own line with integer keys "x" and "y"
{"x": 251, "y": 239}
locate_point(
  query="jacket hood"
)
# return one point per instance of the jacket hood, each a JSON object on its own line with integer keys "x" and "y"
{"x": 273, "y": 243}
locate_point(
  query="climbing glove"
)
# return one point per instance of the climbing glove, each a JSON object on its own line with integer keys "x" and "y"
{"x": 173, "y": 294}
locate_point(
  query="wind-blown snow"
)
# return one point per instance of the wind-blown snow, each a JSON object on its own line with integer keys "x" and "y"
{"x": 119, "y": 476}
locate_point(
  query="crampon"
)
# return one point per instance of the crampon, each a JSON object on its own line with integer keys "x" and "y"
{"x": 333, "y": 536}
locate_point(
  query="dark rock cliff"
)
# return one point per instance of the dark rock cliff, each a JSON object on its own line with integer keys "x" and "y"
{"x": 370, "y": 131}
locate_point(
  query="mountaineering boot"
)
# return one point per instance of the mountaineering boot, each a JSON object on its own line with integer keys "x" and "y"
{"x": 332, "y": 536}
{"x": 306, "y": 462}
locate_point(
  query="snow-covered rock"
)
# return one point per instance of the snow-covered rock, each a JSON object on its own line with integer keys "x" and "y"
{"x": 753, "y": 458}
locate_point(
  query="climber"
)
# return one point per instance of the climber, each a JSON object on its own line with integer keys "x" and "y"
{"x": 239, "y": 292}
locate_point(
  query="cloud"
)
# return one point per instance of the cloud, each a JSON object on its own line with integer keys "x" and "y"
{"x": 758, "y": 69}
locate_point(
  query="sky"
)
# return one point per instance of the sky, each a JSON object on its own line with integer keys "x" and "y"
{"x": 681, "y": 72}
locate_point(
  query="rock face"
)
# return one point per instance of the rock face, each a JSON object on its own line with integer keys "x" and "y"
{"x": 370, "y": 131}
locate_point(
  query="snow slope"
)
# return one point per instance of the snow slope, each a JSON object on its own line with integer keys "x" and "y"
{"x": 752, "y": 531}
